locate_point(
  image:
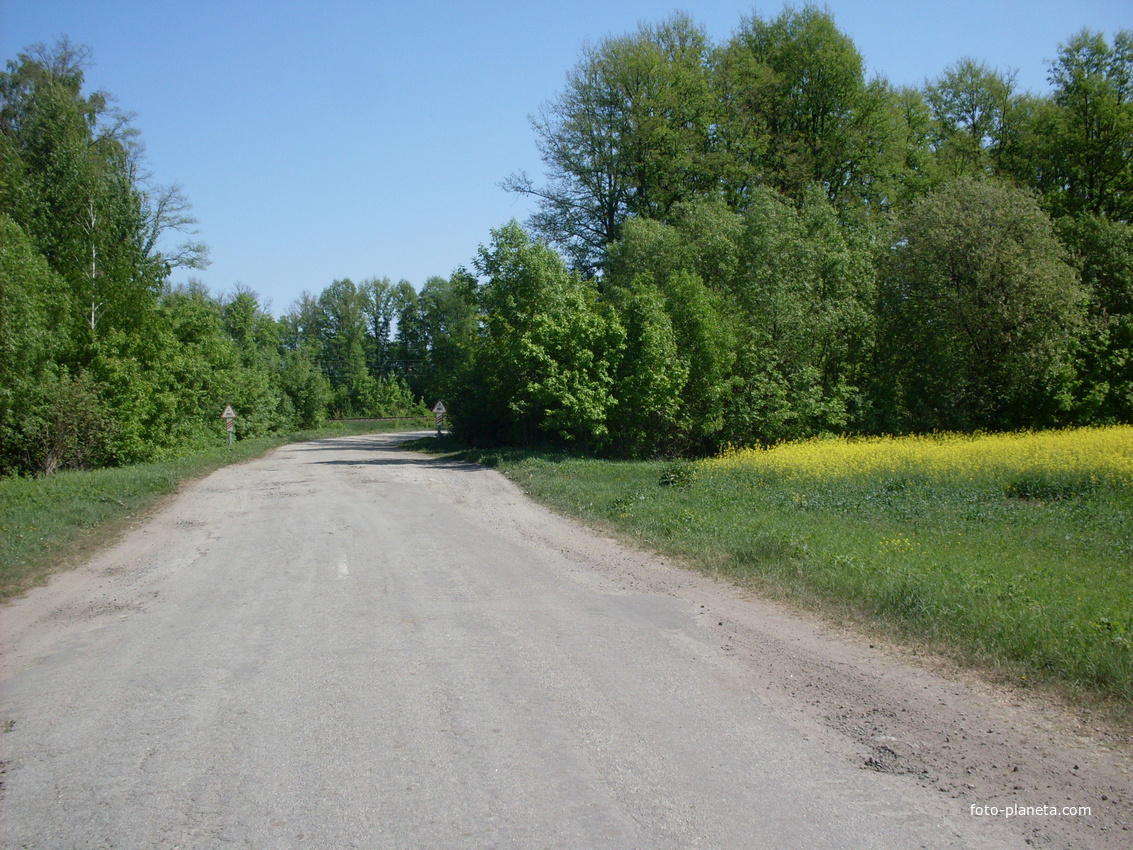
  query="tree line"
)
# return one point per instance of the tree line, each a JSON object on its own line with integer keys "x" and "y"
{"x": 734, "y": 243}
{"x": 102, "y": 361}
{"x": 759, "y": 243}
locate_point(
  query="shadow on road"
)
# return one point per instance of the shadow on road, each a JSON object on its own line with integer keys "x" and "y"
{"x": 386, "y": 450}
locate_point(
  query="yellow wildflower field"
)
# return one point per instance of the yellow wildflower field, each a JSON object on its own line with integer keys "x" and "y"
{"x": 1099, "y": 455}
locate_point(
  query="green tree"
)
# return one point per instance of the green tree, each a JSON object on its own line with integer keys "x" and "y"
{"x": 1088, "y": 143}
{"x": 544, "y": 366}
{"x": 412, "y": 344}
{"x": 971, "y": 105}
{"x": 805, "y": 289}
{"x": 798, "y": 109}
{"x": 629, "y": 136}
{"x": 650, "y": 375}
{"x": 342, "y": 354}
{"x": 68, "y": 427}
{"x": 1102, "y": 251}
{"x": 1076, "y": 147}
{"x": 33, "y": 336}
{"x": 71, "y": 187}
{"x": 449, "y": 325}
{"x": 306, "y": 388}
{"x": 167, "y": 386}
{"x": 255, "y": 332}
{"x": 771, "y": 309}
{"x": 661, "y": 255}
{"x": 915, "y": 167}
{"x": 379, "y": 310}
{"x": 981, "y": 314}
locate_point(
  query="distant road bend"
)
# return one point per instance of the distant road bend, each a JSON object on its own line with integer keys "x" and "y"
{"x": 345, "y": 644}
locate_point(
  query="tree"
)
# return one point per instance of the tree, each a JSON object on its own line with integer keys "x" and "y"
{"x": 167, "y": 385}
{"x": 306, "y": 387}
{"x": 804, "y": 286}
{"x": 449, "y": 324}
{"x": 379, "y": 311}
{"x": 980, "y": 314}
{"x": 33, "y": 336}
{"x": 342, "y": 354}
{"x": 660, "y": 255}
{"x": 628, "y": 136}
{"x": 110, "y": 364}
{"x": 165, "y": 210}
{"x": 971, "y": 105}
{"x": 1091, "y": 146}
{"x": 307, "y": 390}
{"x": 411, "y": 341}
{"x": 1076, "y": 147}
{"x": 252, "y": 328}
{"x": 915, "y": 167}
{"x": 650, "y": 375}
{"x": 74, "y": 194}
{"x": 544, "y": 365}
{"x": 798, "y": 109}
{"x": 70, "y": 427}
{"x": 1102, "y": 251}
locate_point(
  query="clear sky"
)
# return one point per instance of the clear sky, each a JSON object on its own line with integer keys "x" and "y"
{"x": 360, "y": 138}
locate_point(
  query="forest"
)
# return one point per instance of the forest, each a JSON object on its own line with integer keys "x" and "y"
{"x": 735, "y": 244}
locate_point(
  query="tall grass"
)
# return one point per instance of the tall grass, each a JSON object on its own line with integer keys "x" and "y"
{"x": 1015, "y": 551}
{"x": 47, "y": 523}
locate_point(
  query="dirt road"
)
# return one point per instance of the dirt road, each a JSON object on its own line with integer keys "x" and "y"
{"x": 348, "y": 645}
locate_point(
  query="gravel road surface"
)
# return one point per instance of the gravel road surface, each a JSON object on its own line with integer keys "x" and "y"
{"x": 345, "y": 644}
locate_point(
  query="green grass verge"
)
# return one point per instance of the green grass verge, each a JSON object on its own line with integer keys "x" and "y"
{"x": 1037, "y": 589}
{"x": 46, "y": 523}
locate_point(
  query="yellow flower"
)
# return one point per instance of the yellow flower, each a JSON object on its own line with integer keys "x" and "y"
{"x": 1098, "y": 455}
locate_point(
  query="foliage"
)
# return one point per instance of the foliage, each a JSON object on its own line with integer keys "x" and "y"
{"x": 1102, "y": 252}
{"x": 772, "y": 312}
{"x": 971, "y": 105}
{"x": 805, "y": 288}
{"x": 797, "y": 110}
{"x": 447, "y": 319}
{"x": 1089, "y": 138}
{"x": 628, "y": 137}
{"x": 546, "y": 355}
{"x": 650, "y": 375}
{"x": 68, "y": 428}
{"x": 657, "y": 254}
{"x": 981, "y": 314}
{"x": 758, "y": 244}
{"x": 33, "y": 301}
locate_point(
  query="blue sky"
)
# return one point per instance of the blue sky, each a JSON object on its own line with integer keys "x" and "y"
{"x": 342, "y": 138}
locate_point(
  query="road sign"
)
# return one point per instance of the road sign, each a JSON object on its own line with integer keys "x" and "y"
{"x": 229, "y": 417}
{"x": 439, "y": 408}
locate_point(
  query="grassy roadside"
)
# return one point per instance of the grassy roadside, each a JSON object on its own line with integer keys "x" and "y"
{"x": 47, "y": 523}
{"x": 1004, "y": 553}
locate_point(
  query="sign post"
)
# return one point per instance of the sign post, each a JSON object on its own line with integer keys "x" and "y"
{"x": 439, "y": 412}
{"x": 229, "y": 417}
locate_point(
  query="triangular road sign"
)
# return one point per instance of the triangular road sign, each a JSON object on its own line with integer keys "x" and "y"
{"x": 439, "y": 407}
{"x": 229, "y": 413}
